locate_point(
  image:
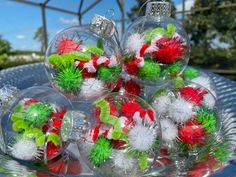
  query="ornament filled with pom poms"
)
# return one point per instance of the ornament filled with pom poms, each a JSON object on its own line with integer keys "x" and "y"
{"x": 190, "y": 122}
{"x": 118, "y": 136}
{"x": 32, "y": 121}
{"x": 84, "y": 62}
{"x": 155, "y": 46}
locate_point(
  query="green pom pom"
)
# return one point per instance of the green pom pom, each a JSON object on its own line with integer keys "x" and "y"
{"x": 54, "y": 138}
{"x": 82, "y": 56}
{"x": 20, "y": 125}
{"x": 173, "y": 69}
{"x": 100, "y": 151}
{"x": 190, "y": 73}
{"x": 94, "y": 50}
{"x": 37, "y": 114}
{"x": 221, "y": 152}
{"x": 69, "y": 79}
{"x": 150, "y": 71}
{"x": 207, "y": 119}
{"x": 143, "y": 161}
{"x": 109, "y": 74}
{"x": 100, "y": 43}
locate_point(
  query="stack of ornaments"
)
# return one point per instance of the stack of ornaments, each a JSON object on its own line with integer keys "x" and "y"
{"x": 120, "y": 134}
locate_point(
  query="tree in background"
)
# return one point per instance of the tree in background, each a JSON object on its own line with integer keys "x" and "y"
{"x": 5, "y": 48}
{"x": 213, "y": 34}
{"x": 39, "y": 36}
{"x": 134, "y": 14}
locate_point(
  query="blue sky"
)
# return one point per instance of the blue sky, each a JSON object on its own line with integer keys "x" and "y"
{"x": 18, "y": 22}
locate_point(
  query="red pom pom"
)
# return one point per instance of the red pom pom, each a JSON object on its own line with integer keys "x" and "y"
{"x": 131, "y": 67}
{"x": 192, "y": 94}
{"x": 132, "y": 87}
{"x": 52, "y": 150}
{"x": 129, "y": 108}
{"x": 169, "y": 50}
{"x": 59, "y": 114}
{"x": 67, "y": 46}
{"x": 192, "y": 133}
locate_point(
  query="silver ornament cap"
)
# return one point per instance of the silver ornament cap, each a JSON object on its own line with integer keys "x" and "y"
{"x": 158, "y": 9}
{"x": 102, "y": 26}
{"x": 8, "y": 94}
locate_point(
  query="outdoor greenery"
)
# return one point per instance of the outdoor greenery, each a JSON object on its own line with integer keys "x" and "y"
{"x": 213, "y": 35}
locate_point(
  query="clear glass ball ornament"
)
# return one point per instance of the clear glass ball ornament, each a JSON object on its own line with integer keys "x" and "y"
{"x": 31, "y": 123}
{"x": 118, "y": 136}
{"x": 84, "y": 61}
{"x": 155, "y": 46}
{"x": 191, "y": 124}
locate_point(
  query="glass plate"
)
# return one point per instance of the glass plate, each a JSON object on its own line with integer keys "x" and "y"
{"x": 70, "y": 164}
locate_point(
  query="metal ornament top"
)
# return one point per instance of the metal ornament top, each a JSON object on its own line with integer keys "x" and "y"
{"x": 102, "y": 26}
{"x": 158, "y": 9}
{"x": 7, "y": 94}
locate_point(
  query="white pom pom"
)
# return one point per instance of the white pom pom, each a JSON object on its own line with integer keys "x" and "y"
{"x": 24, "y": 150}
{"x": 134, "y": 43}
{"x": 141, "y": 137}
{"x": 92, "y": 88}
{"x": 209, "y": 101}
{"x": 180, "y": 110}
{"x": 161, "y": 104}
{"x": 169, "y": 130}
{"x": 122, "y": 161}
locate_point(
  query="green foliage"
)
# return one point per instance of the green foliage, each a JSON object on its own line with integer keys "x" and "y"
{"x": 109, "y": 74}
{"x": 20, "y": 125}
{"x": 62, "y": 61}
{"x": 190, "y": 73}
{"x": 37, "y": 114}
{"x": 207, "y": 119}
{"x": 213, "y": 35}
{"x": 5, "y": 46}
{"x": 100, "y": 151}
{"x": 69, "y": 79}
{"x": 150, "y": 71}
{"x": 32, "y": 133}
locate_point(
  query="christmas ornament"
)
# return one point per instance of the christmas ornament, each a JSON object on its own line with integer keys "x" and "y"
{"x": 118, "y": 136}
{"x": 155, "y": 46}
{"x": 191, "y": 127}
{"x": 31, "y": 122}
{"x": 84, "y": 62}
